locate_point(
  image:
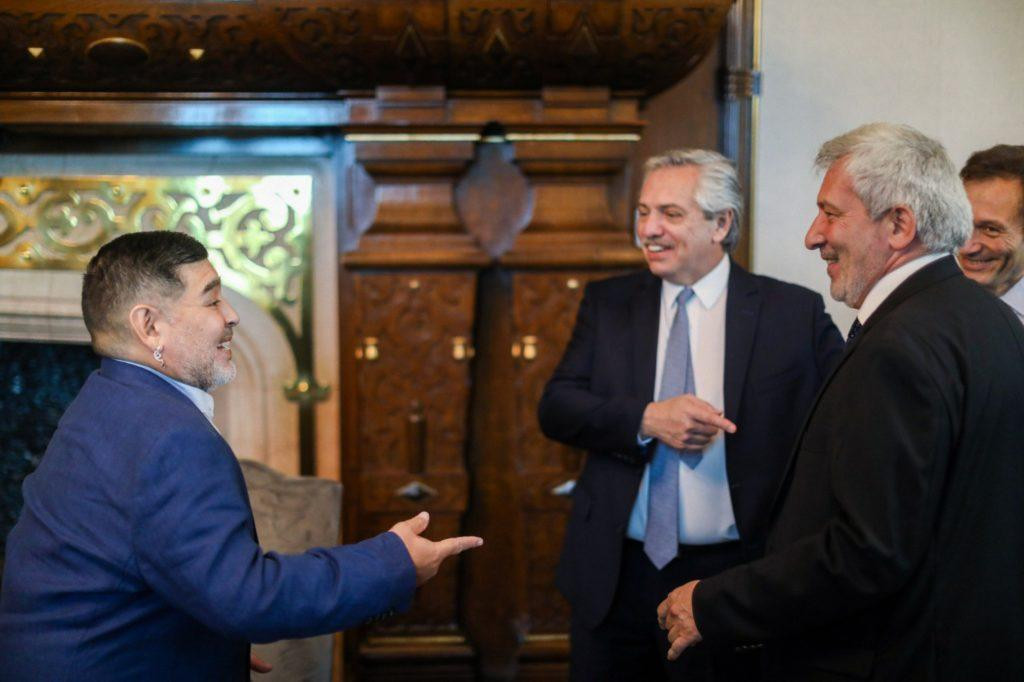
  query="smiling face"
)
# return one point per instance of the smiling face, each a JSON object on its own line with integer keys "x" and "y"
{"x": 196, "y": 330}
{"x": 680, "y": 243}
{"x": 855, "y": 247}
{"x": 994, "y": 255}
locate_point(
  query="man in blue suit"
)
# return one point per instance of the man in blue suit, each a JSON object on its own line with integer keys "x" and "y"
{"x": 687, "y": 384}
{"x": 135, "y": 556}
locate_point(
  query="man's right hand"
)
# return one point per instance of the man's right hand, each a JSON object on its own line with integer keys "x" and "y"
{"x": 427, "y": 555}
{"x": 684, "y": 422}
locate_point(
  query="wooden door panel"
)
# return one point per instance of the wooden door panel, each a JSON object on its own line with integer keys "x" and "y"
{"x": 411, "y": 341}
{"x": 544, "y": 310}
{"x": 411, "y": 326}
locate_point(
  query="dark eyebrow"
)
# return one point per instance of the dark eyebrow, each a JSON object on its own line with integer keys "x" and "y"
{"x": 211, "y": 285}
{"x": 990, "y": 224}
{"x": 829, "y": 206}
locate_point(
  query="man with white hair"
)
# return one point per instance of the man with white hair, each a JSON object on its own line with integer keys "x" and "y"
{"x": 687, "y": 383}
{"x": 897, "y": 541}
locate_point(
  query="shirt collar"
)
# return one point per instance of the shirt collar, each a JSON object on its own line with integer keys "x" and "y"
{"x": 1014, "y": 297}
{"x": 200, "y": 398}
{"x": 708, "y": 289}
{"x": 889, "y": 281}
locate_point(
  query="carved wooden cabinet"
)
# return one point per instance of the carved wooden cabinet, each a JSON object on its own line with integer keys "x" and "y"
{"x": 445, "y": 371}
{"x": 409, "y": 344}
{"x": 466, "y": 263}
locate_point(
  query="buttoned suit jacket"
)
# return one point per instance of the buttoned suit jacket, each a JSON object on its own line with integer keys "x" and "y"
{"x": 779, "y": 344}
{"x": 135, "y": 556}
{"x": 897, "y": 549}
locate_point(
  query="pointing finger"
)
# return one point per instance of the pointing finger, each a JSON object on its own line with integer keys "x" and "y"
{"x": 458, "y": 545}
{"x": 718, "y": 421}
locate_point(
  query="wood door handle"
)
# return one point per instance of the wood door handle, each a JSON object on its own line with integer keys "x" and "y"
{"x": 525, "y": 347}
{"x": 565, "y": 488}
{"x": 369, "y": 349}
{"x": 416, "y": 491}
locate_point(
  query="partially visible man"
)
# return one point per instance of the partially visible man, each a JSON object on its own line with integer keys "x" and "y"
{"x": 994, "y": 255}
{"x": 687, "y": 383}
{"x": 135, "y": 556}
{"x": 896, "y": 547}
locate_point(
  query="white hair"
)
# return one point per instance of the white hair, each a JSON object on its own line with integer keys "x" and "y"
{"x": 718, "y": 189}
{"x": 892, "y": 164}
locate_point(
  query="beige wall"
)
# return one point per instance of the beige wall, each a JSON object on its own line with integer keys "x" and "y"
{"x": 952, "y": 68}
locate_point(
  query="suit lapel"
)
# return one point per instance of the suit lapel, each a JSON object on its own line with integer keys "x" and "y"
{"x": 742, "y": 308}
{"x": 941, "y": 269}
{"x": 643, "y": 325}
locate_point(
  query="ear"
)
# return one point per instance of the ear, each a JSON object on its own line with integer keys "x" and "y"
{"x": 143, "y": 319}
{"x": 902, "y": 227}
{"x": 723, "y": 223}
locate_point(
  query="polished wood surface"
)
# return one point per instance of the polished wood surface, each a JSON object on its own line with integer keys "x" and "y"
{"x": 466, "y": 264}
{"x": 640, "y": 46}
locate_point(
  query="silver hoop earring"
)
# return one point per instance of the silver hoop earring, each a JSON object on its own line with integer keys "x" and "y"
{"x": 158, "y": 355}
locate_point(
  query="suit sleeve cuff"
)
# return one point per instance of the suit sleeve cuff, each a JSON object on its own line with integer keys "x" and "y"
{"x": 406, "y": 578}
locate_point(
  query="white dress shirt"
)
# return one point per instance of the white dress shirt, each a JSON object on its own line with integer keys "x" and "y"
{"x": 200, "y": 398}
{"x": 888, "y": 283}
{"x": 705, "y": 507}
{"x": 1014, "y": 298}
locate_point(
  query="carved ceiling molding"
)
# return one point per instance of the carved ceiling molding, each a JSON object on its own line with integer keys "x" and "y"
{"x": 327, "y": 46}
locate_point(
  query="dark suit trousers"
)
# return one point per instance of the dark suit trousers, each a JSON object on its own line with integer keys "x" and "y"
{"x": 629, "y": 645}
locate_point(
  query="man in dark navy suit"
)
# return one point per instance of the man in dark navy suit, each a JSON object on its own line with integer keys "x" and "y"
{"x": 687, "y": 384}
{"x": 135, "y": 556}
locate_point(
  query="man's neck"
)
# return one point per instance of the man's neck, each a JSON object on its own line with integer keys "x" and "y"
{"x": 688, "y": 279}
{"x": 892, "y": 279}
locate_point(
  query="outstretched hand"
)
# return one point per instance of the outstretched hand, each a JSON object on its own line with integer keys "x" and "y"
{"x": 675, "y": 614}
{"x": 427, "y": 555}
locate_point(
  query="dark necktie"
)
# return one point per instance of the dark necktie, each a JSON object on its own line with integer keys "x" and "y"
{"x": 854, "y": 332}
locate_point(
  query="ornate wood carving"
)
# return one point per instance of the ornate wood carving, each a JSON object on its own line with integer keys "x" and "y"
{"x": 494, "y": 199}
{"x": 331, "y": 45}
{"x": 406, "y": 418}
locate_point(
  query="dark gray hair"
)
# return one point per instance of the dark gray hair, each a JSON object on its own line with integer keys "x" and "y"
{"x": 1004, "y": 161}
{"x": 718, "y": 189}
{"x": 892, "y": 164}
{"x": 125, "y": 269}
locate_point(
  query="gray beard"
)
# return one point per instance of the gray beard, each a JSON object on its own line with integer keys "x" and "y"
{"x": 210, "y": 376}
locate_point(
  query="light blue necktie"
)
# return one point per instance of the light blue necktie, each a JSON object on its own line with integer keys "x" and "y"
{"x": 661, "y": 538}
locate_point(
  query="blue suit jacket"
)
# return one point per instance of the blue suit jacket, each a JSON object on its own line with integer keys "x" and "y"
{"x": 135, "y": 556}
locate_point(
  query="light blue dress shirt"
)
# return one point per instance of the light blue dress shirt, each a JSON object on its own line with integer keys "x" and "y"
{"x": 1015, "y": 299}
{"x": 200, "y": 398}
{"x": 705, "y": 506}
